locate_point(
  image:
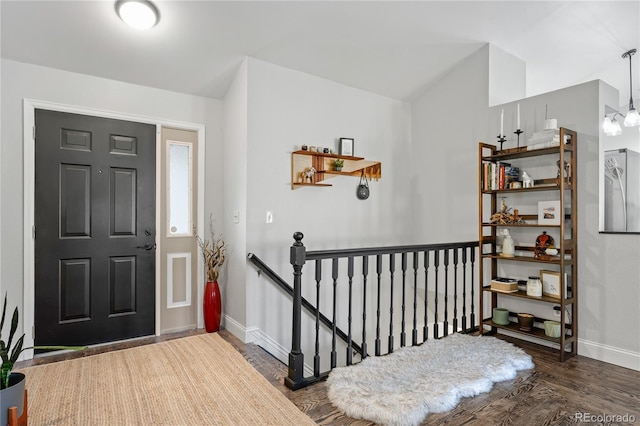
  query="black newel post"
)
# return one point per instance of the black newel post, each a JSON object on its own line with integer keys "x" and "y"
{"x": 296, "y": 357}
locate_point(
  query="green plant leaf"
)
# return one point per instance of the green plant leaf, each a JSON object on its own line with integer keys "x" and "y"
{"x": 17, "y": 350}
{"x": 4, "y": 310}
{"x": 14, "y": 327}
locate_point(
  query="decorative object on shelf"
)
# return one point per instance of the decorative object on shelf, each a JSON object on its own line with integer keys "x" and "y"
{"x": 508, "y": 248}
{"x": 549, "y": 212}
{"x": 505, "y": 285}
{"x": 346, "y": 147}
{"x": 543, "y": 242}
{"x": 550, "y": 283}
{"x": 500, "y": 316}
{"x": 564, "y": 172}
{"x": 304, "y": 147}
{"x": 338, "y": 164}
{"x": 309, "y": 173}
{"x": 214, "y": 251}
{"x": 534, "y": 286}
{"x": 362, "y": 192}
{"x": 527, "y": 181}
{"x": 525, "y": 322}
{"x": 504, "y": 216}
{"x": 325, "y": 150}
{"x": 549, "y": 123}
{"x": 518, "y": 132}
{"x": 552, "y": 328}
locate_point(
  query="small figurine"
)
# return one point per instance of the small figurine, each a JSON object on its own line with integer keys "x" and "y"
{"x": 527, "y": 181}
{"x": 309, "y": 173}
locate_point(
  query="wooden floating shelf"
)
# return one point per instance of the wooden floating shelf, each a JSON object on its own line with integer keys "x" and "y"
{"x": 322, "y": 154}
{"x": 322, "y": 163}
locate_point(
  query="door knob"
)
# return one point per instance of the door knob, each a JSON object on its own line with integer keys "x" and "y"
{"x": 147, "y": 246}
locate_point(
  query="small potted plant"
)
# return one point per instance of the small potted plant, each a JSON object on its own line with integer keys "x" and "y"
{"x": 337, "y": 164}
{"x": 12, "y": 384}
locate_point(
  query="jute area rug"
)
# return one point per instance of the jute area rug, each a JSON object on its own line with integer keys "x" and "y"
{"x": 197, "y": 380}
{"x": 404, "y": 387}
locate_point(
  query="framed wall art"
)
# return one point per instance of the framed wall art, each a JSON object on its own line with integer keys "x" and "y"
{"x": 346, "y": 146}
{"x": 549, "y": 213}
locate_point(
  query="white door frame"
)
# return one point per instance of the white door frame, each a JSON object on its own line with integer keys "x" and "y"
{"x": 29, "y": 107}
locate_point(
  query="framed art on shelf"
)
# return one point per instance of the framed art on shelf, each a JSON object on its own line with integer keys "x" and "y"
{"x": 549, "y": 212}
{"x": 346, "y": 146}
{"x": 550, "y": 283}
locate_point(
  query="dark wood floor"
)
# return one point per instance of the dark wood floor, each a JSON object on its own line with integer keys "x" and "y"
{"x": 550, "y": 394}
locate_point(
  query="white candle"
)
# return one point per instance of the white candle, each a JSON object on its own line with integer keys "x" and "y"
{"x": 518, "y": 117}
{"x": 502, "y": 122}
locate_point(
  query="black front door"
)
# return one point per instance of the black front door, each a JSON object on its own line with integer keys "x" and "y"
{"x": 95, "y": 229}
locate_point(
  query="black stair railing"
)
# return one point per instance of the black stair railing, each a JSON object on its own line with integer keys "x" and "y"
{"x": 463, "y": 265}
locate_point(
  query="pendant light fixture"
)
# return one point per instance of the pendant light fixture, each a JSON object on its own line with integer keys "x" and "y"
{"x": 633, "y": 117}
{"x": 140, "y": 14}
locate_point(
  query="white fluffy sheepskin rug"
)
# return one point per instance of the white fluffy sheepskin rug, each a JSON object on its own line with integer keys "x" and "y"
{"x": 402, "y": 388}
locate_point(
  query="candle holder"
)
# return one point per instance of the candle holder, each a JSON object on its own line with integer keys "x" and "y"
{"x": 518, "y": 132}
{"x": 502, "y": 140}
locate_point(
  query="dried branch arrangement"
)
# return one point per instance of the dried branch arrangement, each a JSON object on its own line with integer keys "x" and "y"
{"x": 213, "y": 250}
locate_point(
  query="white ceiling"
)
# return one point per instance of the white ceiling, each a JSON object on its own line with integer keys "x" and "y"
{"x": 393, "y": 48}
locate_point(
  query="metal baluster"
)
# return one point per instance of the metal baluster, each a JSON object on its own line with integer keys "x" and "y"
{"x": 425, "y": 329}
{"x": 392, "y": 267}
{"x": 414, "y": 331}
{"x": 403, "y": 335}
{"x": 464, "y": 288}
{"x": 446, "y": 292}
{"x": 379, "y": 272}
{"x": 316, "y": 358}
{"x": 436, "y": 264}
{"x": 473, "y": 312}
{"x": 455, "y": 290}
{"x": 349, "y": 317}
{"x": 365, "y": 273}
{"x": 334, "y": 276}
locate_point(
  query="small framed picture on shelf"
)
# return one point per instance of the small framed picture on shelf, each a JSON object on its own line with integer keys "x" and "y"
{"x": 549, "y": 213}
{"x": 550, "y": 283}
{"x": 346, "y": 146}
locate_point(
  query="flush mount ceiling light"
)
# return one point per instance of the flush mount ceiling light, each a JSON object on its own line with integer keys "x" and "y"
{"x": 140, "y": 14}
{"x": 633, "y": 117}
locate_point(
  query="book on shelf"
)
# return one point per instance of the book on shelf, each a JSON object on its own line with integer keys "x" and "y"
{"x": 498, "y": 175}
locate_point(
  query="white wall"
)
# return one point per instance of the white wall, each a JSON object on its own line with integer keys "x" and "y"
{"x": 235, "y": 201}
{"x": 20, "y": 81}
{"x": 507, "y": 77}
{"x": 449, "y": 119}
{"x": 286, "y": 109}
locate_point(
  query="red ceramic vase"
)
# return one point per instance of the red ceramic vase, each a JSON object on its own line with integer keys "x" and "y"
{"x": 212, "y": 307}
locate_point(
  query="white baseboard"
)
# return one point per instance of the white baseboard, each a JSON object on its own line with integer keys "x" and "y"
{"x": 258, "y": 337}
{"x": 610, "y": 354}
{"x": 237, "y": 329}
